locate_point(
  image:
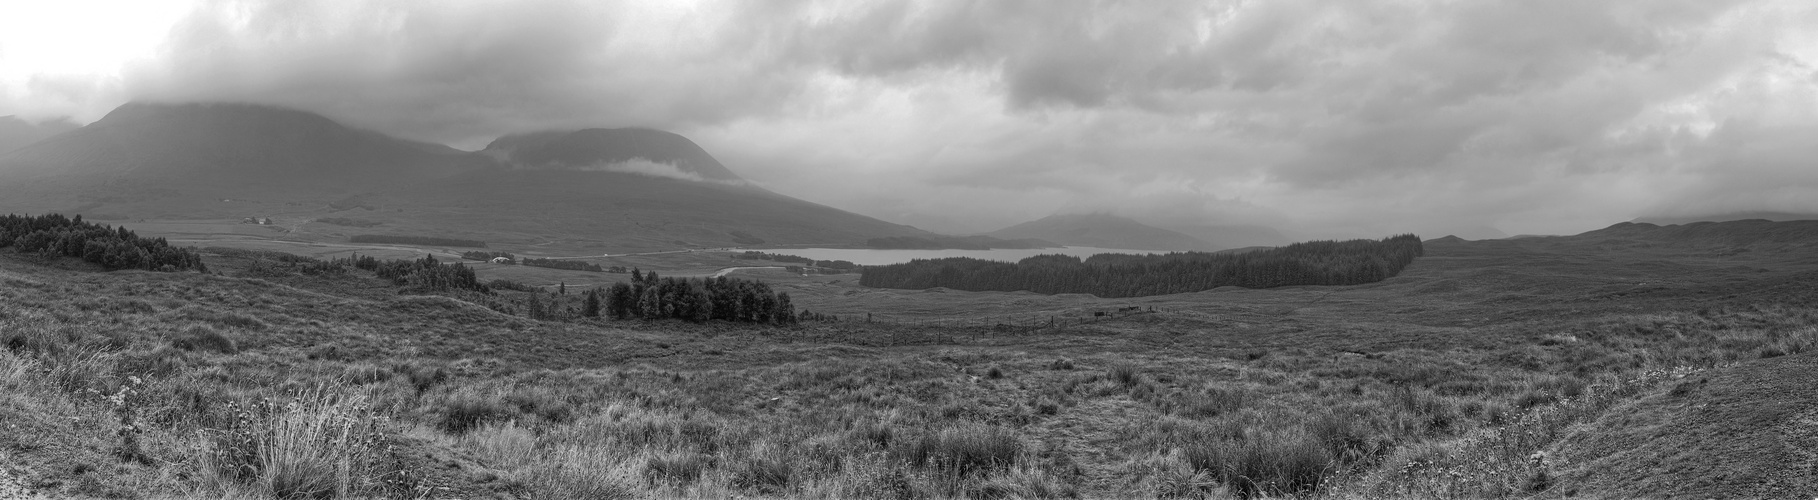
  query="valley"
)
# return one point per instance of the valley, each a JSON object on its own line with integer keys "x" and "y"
{"x": 1445, "y": 380}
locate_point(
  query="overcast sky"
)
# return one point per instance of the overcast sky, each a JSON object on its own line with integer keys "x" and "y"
{"x": 1329, "y": 119}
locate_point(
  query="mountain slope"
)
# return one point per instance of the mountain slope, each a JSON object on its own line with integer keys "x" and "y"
{"x": 181, "y": 160}
{"x": 1101, "y": 230}
{"x": 1229, "y": 236}
{"x": 16, "y": 133}
{"x": 599, "y": 148}
{"x": 599, "y": 189}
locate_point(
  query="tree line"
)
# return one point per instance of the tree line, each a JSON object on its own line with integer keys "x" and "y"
{"x": 485, "y": 256}
{"x": 416, "y": 240}
{"x": 571, "y": 265}
{"x": 649, "y": 296}
{"x": 1122, "y": 275}
{"x": 423, "y": 274}
{"x": 841, "y": 265}
{"x": 112, "y": 248}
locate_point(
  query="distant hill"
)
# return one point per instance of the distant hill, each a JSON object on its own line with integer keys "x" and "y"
{"x": 1752, "y": 232}
{"x": 1771, "y": 216}
{"x": 16, "y": 133}
{"x": 1741, "y": 241}
{"x": 610, "y": 189}
{"x": 1103, "y": 231}
{"x": 181, "y": 160}
{"x": 1229, "y": 236}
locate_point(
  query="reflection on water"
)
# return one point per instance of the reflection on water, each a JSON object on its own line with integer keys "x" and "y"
{"x": 875, "y": 257}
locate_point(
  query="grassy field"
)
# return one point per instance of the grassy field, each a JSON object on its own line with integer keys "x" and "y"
{"x": 1487, "y": 369}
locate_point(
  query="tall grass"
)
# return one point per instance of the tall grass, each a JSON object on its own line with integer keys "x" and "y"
{"x": 322, "y": 442}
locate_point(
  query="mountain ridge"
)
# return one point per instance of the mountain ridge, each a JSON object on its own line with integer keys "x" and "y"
{"x": 654, "y": 189}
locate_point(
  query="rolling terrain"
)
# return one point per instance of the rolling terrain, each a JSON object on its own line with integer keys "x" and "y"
{"x": 1603, "y": 365}
{"x": 593, "y": 190}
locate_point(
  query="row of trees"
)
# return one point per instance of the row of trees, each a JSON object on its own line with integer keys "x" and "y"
{"x": 775, "y": 257}
{"x": 1121, "y": 275}
{"x": 112, "y": 248}
{"x": 485, "y": 256}
{"x": 652, "y": 297}
{"x": 840, "y": 265}
{"x": 416, "y": 240}
{"x": 424, "y": 274}
{"x": 571, "y": 265}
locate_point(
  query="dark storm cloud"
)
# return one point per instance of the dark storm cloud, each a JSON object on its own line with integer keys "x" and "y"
{"x": 464, "y": 71}
{"x": 1337, "y": 118}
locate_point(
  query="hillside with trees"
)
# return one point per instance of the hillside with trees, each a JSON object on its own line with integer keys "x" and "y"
{"x": 54, "y": 234}
{"x": 1122, "y": 275}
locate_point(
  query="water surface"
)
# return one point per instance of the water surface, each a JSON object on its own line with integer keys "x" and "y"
{"x": 877, "y": 257}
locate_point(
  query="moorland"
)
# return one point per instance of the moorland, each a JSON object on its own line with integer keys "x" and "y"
{"x": 1633, "y": 361}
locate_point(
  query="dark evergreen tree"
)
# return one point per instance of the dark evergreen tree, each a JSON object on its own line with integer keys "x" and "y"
{"x": 590, "y": 307}
{"x": 620, "y": 300}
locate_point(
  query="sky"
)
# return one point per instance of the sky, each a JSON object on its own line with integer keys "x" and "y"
{"x": 1350, "y": 118}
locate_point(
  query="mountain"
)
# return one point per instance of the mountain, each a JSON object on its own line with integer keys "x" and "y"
{"x": 1725, "y": 217}
{"x": 15, "y": 133}
{"x": 607, "y": 190}
{"x": 1229, "y": 236}
{"x": 612, "y": 149}
{"x": 1103, "y": 231}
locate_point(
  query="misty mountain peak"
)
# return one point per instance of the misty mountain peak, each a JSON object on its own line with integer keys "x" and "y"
{"x": 609, "y": 147}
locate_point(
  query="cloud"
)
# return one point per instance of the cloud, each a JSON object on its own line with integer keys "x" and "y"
{"x": 645, "y": 167}
{"x": 640, "y": 166}
{"x": 1333, "y": 118}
